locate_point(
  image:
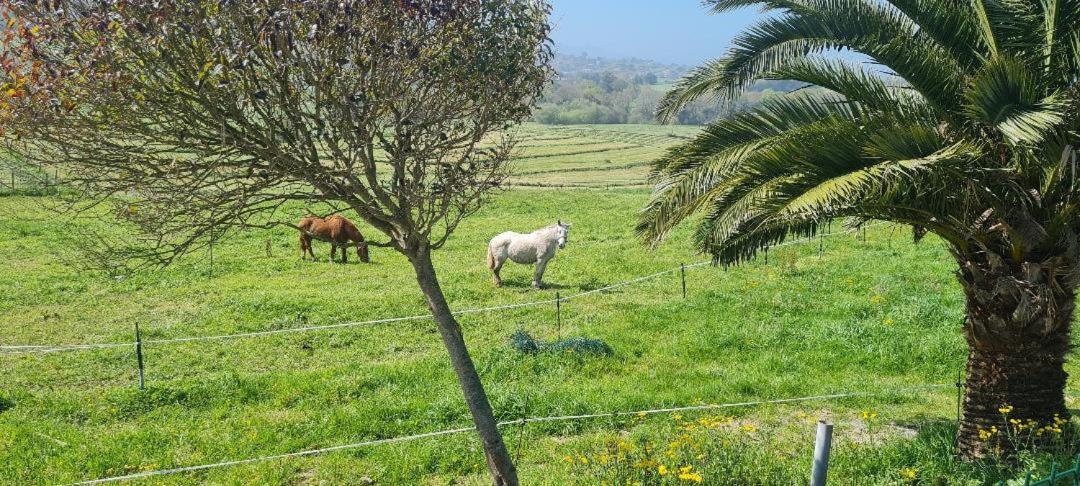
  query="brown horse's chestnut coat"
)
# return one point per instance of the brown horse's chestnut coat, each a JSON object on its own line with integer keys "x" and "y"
{"x": 337, "y": 231}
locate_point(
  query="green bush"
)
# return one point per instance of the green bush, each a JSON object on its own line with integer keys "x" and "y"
{"x": 525, "y": 343}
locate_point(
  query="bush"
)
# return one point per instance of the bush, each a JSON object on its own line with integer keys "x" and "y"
{"x": 525, "y": 343}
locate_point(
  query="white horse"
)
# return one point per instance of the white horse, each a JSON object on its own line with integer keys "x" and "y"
{"x": 537, "y": 247}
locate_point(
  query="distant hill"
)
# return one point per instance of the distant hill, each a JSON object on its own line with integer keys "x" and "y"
{"x": 599, "y": 90}
{"x": 583, "y": 65}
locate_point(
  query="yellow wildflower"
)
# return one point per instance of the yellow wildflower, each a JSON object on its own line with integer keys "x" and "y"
{"x": 908, "y": 473}
{"x": 569, "y": 459}
{"x": 693, "y": 477}
{"x": 749, "y": 428}
{"x": 1005, "y": 409}
{"x": 662, "y": 470}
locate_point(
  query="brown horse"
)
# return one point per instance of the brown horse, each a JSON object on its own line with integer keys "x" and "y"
{"x": 337, "y": 231}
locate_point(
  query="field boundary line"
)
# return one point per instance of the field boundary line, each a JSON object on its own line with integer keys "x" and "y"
{"x": 16, "y": 349}
{"x": 559, "y": 418}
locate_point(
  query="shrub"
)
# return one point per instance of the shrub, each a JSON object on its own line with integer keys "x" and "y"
{"x": 525, "y": 343}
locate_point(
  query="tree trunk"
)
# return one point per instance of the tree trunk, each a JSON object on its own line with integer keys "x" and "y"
{"x": 1017, "y": 329}
{"x": 498, "y": 458}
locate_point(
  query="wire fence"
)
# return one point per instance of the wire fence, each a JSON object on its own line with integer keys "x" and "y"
{"x": 23, "y": 181}
{"x": 14, "y": 349}
{"x": 522, "y": 421}
{"x": 45, "y": 348}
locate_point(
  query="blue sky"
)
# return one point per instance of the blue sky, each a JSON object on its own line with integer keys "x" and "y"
{"x": 671, "y": 31}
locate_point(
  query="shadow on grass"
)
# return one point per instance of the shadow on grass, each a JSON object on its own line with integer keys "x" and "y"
{"x": 525, "y": 284}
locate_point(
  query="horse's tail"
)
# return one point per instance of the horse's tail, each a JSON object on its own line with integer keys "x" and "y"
{"x": 490, "y": 257}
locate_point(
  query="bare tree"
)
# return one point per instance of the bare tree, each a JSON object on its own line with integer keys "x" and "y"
{"x": 196, "y": 117}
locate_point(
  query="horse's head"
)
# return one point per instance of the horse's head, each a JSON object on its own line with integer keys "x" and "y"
{"x": 362, "y": 252}
{"x": 562, "y": 233}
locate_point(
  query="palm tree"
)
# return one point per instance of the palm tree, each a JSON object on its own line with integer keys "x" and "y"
{"x": 956, "y": 117}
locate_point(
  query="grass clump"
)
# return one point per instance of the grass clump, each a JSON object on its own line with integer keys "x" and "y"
{"x": 6, "y": 404}
{"x": 523, "y": 342}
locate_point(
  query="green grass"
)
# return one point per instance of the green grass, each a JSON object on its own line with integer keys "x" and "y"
{"x": 591, "y": 155}
{"x": 866, "y": 316}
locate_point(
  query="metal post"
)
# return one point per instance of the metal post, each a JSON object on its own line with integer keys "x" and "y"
{"x": 139, "y": 357}
{"x": 682, "y": 271}
{"x": 558, "y": 315}
{"x": 822, "y": 444}
{"x": 211, "y": 249}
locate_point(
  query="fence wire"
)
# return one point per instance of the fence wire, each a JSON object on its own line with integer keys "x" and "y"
{"x": 53, "y": 348}
{"x": 560, "y": 418}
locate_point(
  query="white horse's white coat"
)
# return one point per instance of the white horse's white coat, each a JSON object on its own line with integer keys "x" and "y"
{"x": 537, "y": 247}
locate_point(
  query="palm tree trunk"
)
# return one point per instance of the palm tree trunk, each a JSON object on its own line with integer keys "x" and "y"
{"x": 1017, "y": 329}
{"x": 498, "y": 458}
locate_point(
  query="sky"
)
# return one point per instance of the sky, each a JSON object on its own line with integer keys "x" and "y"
{"x": 669, "y": 31}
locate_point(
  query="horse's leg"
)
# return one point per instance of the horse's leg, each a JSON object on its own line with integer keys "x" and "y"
{"x": 539, "y": 275}
{"x": 499, "y": 261}
{"x": 345, "y": 253}
{"x": 333, "y": 252}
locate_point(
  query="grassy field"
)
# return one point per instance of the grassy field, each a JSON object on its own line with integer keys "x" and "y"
{"x": 591, "y": 155}
{"x": 874, "y": 316}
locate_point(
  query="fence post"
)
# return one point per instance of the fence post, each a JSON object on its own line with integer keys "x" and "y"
{"x": 521, "y": 429}
{"x": 821, "y": 244}
{"x": 558, "y": 315}
{"x": 269, "y": 247}
{"x": 682, "y": 271}
{"x": 766, "y": 254}
{"x": 139, "y": 357}
{"x": 822, "y": 444}
{"x": 211, "y": 249}
{"x": 13, "y": 181}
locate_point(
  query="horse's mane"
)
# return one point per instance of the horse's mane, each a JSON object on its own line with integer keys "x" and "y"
{"x": 547, "y": 229}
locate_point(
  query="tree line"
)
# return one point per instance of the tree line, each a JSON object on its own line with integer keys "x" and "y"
{"x": 591, "y": 90}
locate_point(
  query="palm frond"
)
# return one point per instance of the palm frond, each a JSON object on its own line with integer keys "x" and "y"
{"x": 1007, "y": 96}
